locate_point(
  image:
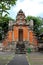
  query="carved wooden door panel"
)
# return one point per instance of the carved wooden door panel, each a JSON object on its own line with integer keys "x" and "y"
{"x": 20, "y": 34}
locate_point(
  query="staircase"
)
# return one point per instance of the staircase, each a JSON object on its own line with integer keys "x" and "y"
{"x": 20, "y": 48}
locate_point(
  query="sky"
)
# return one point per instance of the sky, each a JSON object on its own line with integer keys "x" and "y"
{"x": 29, "y": 7}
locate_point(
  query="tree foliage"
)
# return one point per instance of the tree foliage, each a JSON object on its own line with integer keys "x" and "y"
{"x": 36, "y": 24}
{"x": 5, "y": 5}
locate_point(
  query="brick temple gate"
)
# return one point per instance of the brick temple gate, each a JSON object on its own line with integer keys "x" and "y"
{"x": 20, "y": 31}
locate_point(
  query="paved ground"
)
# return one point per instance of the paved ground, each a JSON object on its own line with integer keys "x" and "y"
{"x": 19, "y": 59}
{"x": 35, "y": 58}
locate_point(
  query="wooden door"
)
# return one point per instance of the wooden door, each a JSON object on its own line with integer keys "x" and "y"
{"x": 20, "y": 34}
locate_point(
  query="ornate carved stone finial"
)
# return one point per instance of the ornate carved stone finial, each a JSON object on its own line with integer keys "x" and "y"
{"x": 31, "y": 24}
{"x": 20, "y": 17}
{"x": 20, "y": 11}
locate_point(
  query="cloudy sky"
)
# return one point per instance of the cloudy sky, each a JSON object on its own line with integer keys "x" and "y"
{"x": 30, "y": 7}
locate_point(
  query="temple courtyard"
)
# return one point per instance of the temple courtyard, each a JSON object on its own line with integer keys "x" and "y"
{"x": 10, "y": 58}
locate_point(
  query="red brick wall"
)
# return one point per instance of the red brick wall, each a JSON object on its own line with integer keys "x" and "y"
{"x": 27, "y": 35}
{"x": 10, "y": 36}
{"x": 30, "y": 37}
{"x": 16, "y": 32}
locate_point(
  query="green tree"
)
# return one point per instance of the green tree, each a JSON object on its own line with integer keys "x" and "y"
{"x": 5, "y": 5}
{"x": 37, "y": 23}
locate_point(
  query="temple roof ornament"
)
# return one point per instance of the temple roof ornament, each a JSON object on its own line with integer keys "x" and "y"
{"x": 21, "y": 20}
{"x": 20, "y": 14}
{"x": 20, "y": 11}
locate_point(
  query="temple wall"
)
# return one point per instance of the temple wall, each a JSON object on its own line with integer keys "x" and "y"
{"x": 28, "y": 35}
{"x": 10, "y": 36}
{"x": 32, "y": 38}
{"x": 25, "y": 33}
{"x": 16, "y": 33}
{"x": 15, "y": 30}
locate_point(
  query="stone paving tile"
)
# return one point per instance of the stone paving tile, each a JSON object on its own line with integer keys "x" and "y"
{"x": 19, "y": 59}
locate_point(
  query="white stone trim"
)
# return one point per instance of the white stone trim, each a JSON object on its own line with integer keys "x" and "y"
{"x": 13, "y": 36}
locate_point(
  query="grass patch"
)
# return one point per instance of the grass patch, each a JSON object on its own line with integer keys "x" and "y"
{"x": 35, "y": 59}
{"x": 6, "y": 59}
